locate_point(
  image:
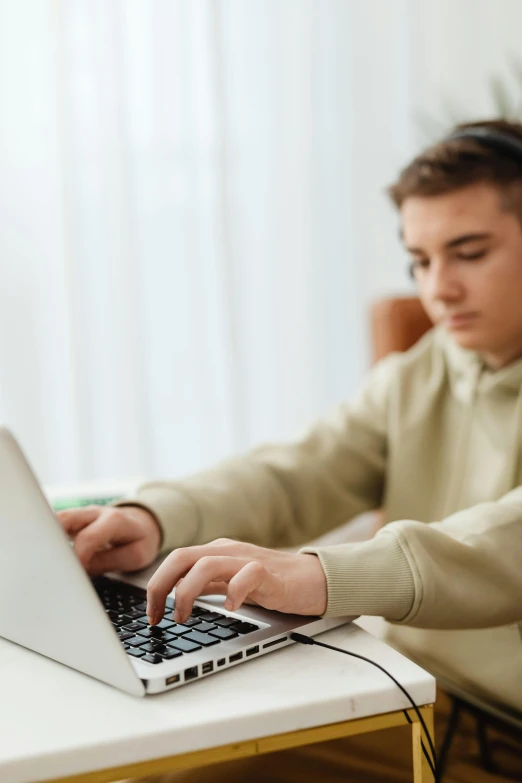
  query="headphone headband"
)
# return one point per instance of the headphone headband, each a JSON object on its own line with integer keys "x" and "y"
{"x": 497, "y": 140}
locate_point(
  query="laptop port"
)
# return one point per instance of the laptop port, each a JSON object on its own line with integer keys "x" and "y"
{"x": 235, "y": 657}
{"x": 191, "y": 674}
{"x": 252, "y": 651}
{"x": 172, "y": 680}
{"x": 222, "y": 662}
{"x": 207, "y": 667}
{"x": 275, "y": 641}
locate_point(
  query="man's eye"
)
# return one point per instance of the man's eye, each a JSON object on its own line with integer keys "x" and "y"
{"x": 417, "y": 265}
{"x": 472, "y": 256}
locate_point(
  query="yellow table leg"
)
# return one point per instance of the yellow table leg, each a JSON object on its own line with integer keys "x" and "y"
{"x": 293, "y": 739}
{"x": 421, "y": 770}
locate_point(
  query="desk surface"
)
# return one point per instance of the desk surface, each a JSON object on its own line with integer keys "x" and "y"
{"x": 56, "y": 722}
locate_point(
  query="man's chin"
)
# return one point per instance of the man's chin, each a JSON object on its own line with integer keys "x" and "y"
{"x": 467, "y": 339}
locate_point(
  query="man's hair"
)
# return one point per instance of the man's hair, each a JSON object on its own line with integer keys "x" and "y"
{"x": 452, "y": 164}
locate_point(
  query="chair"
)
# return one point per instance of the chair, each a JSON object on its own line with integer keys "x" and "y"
{"x": 396, "y": 325}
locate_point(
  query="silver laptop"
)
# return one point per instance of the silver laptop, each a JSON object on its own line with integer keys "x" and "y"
{"x": 99, "y": 627}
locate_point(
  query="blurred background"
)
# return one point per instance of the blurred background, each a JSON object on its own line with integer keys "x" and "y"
{"x": 193, "y": 218}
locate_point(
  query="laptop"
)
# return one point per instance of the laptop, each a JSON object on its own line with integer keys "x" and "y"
{"x": 98, "y": 626}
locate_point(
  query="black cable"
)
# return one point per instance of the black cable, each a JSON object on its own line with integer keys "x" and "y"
{"x": 431, "y": 766}
{"x": 299, "y": 637}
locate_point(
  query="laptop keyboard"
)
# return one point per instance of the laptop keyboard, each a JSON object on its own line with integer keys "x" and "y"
{"x": 126, "y": 607}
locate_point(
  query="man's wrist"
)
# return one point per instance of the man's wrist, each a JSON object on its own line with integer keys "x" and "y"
{"x": 148, "y": 513}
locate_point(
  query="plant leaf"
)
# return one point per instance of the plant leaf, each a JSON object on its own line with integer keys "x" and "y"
{"x": 501, "y": 98}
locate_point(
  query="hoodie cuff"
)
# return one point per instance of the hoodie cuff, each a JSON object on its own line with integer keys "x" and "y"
{"x": 372, "y": 577}
{"x": 174, "y": 510}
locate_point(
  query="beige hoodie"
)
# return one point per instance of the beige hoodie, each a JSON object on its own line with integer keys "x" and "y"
{"x": 433, "y": 437}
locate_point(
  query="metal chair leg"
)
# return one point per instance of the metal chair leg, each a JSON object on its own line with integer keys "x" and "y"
{"x": 486, "y": 758}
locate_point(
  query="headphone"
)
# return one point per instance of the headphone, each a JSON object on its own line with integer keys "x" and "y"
{"x": 497, "y": 140}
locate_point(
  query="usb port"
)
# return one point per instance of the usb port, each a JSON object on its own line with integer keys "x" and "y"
{"x": 235, "y": 657}
{"x": 207, "y": 667}
{"x": 222, "y": 662}
{"x": 191, "y": 674}
{"x": 252, "y": 651}
{"x": 171, "y": 680}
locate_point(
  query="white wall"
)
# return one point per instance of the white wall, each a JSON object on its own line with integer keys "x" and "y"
{"x": 192, "y": 211}
{"x": 459, "y": 46}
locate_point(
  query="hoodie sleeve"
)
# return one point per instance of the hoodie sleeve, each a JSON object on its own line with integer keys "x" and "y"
{"x": 285, "y": 494}
{"x": 464, "y": 572}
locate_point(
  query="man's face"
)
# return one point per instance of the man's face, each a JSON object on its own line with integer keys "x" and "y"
{"x": 466, "y": 252}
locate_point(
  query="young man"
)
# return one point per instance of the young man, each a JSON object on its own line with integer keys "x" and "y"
{"x": 434, "y": 437}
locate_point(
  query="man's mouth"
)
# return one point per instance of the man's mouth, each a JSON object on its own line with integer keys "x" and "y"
{"x": 459, "y": 320}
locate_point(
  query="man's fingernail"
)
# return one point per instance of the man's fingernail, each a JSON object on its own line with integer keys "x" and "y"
{"x": 229, "y": 605}
{"x": 177, "y": 616}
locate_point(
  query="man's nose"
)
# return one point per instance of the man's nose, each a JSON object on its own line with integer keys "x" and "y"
{"x": 443, "y": 283}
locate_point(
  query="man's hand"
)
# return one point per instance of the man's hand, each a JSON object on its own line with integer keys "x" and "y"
{"x": 292, "y": 583}
{"x": 112, "y": 539}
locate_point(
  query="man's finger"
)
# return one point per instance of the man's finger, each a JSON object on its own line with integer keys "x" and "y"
{"x": 112, "y": 528}
{"x": 215, "y": 588}
{"x": 75, "y": 519}
{"x": 253, "y": 578}
{"x": 121, "y": 558}
{"x": 173, "y": 568}
{"x": 198, "y": 574}
{"x": 207, "y": 570}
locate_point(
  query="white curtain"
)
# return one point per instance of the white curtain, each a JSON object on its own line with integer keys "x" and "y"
{"x": 193, "y": 220}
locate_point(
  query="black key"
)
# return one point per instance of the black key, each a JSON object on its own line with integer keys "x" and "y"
{"x": 204, "y": 627}
{"x": 158, "y": 642}
{"x": 121, "y": 598}
{"x": 223, "y": 633}
{"x": 197, "y": 611}
{"x": 123, "y": 636}
{"x": 137, "y": 615}
{"x": 123, "y": 619}
{"x": 135, "y": 652}
{"x": 165, "y": 623}
{"x": 117, "y": 606}
{"x": 133, "y": 627}
{"x": 135, "y": 641}
{"x": 183, "y": 645}
{"x": 152, "y": 658}
{"x": 192, "y": 621}
{"x": 179, "y": 630}
{"x": 150, "y": 647}
{"x": 226, "y": 622}
{"x": 241, "y": 627}
{"x": 169, "y": 654}
{"x": 200, "y": 638}
{"x": 210, "y": 617}
{"x": 119, "y": 620}
{"x": 155, "y": 633}
{"x": 113, "y": 615}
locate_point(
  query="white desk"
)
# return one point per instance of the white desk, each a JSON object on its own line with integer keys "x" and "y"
{"x": 59, "y": 725}
{"x": 56, "y": 723}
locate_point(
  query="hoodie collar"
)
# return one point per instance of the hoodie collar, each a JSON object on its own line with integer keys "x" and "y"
{"x": 468, "y": 367}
